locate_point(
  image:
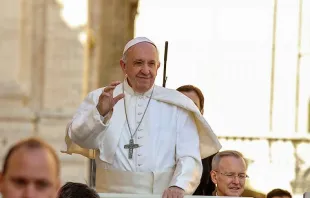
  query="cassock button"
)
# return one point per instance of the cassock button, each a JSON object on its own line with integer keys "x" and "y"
{"x": 139, "y": 137}
{"x": 139, "y": 164}
{"x": 140, "y": 97}
{"x": 139, "y": 154}
{"x": 140, "y": 113}
{"x": 140, "y": 129}
{"x": 139, "y": 105}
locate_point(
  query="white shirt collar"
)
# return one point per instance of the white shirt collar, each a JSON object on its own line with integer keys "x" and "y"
{"x": 130, "y": 91}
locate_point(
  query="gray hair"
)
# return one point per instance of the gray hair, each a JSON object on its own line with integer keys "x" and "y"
{"x": 124, "y": 57}
{"x": 228, "y": 153}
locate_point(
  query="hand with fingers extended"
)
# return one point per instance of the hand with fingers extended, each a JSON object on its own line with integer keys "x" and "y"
{"x": 173, "y": 192}
{"x": 106, "y": 100}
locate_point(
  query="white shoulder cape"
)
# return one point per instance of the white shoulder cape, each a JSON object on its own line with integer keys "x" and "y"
{"x": 209, "y": 143}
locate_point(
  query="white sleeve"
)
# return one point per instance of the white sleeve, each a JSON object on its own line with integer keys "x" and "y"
{"x": 87, "y": 124}
{"x": 188, "y": 161}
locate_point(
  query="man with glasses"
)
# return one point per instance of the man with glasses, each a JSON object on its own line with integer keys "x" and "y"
{"x": 206, "y": 186}
{"x": 229, "y": 173}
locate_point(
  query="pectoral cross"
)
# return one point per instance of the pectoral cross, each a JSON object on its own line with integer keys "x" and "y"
{"x": 131, "y": 146}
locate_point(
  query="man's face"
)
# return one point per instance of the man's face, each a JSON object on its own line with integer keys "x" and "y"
{"x": 226, "y": 177}
{"x": 141, "y": 66}
{"x": 194, "y": 97}
{"x": 30, "y": 174}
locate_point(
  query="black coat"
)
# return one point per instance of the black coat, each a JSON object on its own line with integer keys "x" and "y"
{"x": 206, "y": 186}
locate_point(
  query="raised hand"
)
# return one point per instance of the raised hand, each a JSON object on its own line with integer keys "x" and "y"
{"x": 106, "y": 101}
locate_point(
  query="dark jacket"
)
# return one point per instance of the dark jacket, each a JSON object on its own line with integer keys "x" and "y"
{"x": 206, "y": 186}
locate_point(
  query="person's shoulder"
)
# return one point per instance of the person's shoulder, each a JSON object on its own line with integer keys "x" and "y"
{"x": 96, "y": 92}
{"x": 176, "y": 100}
{"x": 170, "y": 91}
{"x": 99, "y": 90}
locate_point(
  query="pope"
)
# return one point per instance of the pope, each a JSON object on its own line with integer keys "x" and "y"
{"x": 148, "y": 139}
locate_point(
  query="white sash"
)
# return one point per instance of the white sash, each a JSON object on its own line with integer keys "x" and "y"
{"x": 115, "y": 181}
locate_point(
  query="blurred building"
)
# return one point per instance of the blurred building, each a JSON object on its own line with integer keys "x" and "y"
{"x": 48, "y": 64}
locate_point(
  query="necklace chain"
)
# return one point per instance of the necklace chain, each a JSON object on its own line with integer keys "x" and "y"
{"x": 132, "y": 135}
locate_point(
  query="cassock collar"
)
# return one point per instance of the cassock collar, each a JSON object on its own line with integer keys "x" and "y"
{"x": 130, "y": 91}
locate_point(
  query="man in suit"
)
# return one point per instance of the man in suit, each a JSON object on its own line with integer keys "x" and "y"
{"x": 229, "y": 173}
{"x": 206, "y": 186}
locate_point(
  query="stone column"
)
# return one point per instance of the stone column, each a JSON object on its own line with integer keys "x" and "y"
{"x": 116, "y": 29}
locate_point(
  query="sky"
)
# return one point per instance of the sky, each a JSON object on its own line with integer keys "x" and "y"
{"x": 224, "y": 47}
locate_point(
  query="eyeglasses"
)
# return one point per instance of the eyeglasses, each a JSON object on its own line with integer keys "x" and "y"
{"x": 241, "y": 176}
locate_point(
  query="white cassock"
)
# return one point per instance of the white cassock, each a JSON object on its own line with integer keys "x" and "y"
{"x": 173, "y": 137}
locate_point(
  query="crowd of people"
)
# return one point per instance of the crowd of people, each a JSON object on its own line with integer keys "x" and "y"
{"x": 145, "y": 139}
{"x": 31, "y": 169}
